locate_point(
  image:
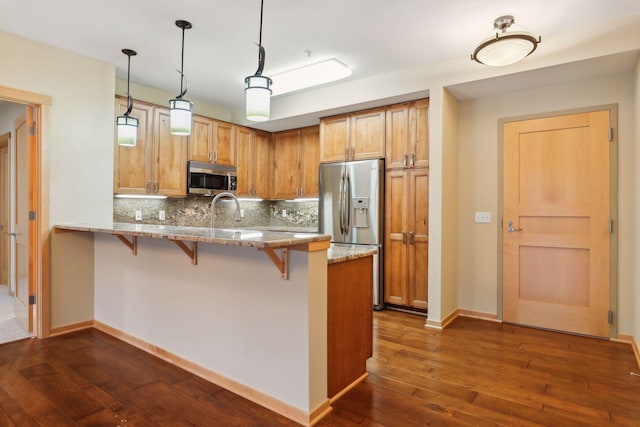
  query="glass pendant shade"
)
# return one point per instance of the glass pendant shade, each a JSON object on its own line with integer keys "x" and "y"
{"x": 505, "y": 50}
{"x": 180, "y": 116}
{"x": 504, "y": 47}
{"x": 258, "y": 98}
{"x": 127, "y": 130}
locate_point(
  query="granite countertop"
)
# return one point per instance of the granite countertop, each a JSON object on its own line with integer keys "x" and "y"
{"x": 221, "y": 236}
{"x": 343, "y": 252}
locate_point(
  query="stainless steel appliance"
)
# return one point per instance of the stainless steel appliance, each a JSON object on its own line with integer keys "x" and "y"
{"x": 351, "y": 210}
{"x": 209, "y": 180}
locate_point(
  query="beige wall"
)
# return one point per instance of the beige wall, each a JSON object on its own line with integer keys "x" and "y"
{"x": 636, "y": 213}
{"x": 478, "y": 183}
{"x": 80, "y": 136}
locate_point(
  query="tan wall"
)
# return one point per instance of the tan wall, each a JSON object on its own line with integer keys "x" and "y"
{"x": 161, "y": 97}
{"x": 450, "y": 202}
{"x": 478, "y": 185}
{"x": 636, "y": 214}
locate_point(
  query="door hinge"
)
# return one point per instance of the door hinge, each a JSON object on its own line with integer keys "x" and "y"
{"x": 610, "y": 134}
{"x": 32, "y": 299}
{"x": 610, "y": 225}
{"x": 610, "y": 317}
{"x": 32, "y": 215}
{"x": 32, "y": 129}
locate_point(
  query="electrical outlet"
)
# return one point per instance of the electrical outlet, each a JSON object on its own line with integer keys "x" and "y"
{"x": 241, "y": 213}
{"x": 138, "y": 215}
{"x": 483, "y": 217}
{"x": 161, "y": 215}
{"x": 284, "y": 213}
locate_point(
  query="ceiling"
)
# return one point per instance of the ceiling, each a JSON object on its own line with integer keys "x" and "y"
{"x": 373, "y": 37}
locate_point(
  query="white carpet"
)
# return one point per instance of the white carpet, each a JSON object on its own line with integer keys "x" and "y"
{"x": 10, "y": 328}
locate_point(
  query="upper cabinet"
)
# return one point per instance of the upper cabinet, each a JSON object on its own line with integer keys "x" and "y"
{"x": 295, "y": 156}
{"x": 354, "y": 136}
{"x": 157, "y": 164}
{"x": 253, "y": 154}
{"x": 212, "y": 141}
{"x": 407, "y": 135}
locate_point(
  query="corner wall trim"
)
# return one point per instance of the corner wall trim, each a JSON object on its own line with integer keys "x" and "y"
{"x": 305, "y": 418}
{"x": 62, "y": 330}
{"x": 630, "y": 339}
{"x": 479, "y": 315}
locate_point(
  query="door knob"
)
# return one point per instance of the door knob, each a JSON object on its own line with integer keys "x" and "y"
{"x": 511, "y": 228}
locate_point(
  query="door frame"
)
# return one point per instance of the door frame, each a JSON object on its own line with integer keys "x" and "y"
{"x": 39, "y": 249}
{"x": 613, "y": 201}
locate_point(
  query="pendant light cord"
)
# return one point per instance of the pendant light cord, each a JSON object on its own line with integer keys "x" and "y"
{"x": 182, "y": 66}
{"x": 261, "y": 52}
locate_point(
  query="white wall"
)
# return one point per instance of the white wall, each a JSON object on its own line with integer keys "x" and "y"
{"x": 80, "y": 142}
{"x": 232, "y": 313}
{"x": 478, "y": 191}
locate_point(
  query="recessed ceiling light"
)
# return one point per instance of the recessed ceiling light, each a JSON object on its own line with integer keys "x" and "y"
{"x": 308, "y": 76}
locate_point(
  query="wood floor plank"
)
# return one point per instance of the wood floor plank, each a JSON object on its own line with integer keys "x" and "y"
{"x": 474, "y": 373}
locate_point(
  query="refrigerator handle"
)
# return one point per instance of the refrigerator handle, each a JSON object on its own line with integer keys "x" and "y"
{"x": 341, "y": 203}
{"x": 347, "y": 214}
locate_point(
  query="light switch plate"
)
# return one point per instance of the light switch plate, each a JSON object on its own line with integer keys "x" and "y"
{"x": 161, "y": 215}
{"x": 138, "y": 215}
{"x": 483, "y": 217}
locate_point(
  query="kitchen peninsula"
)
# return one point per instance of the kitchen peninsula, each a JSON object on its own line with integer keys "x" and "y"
{"x": 234, "y": 318}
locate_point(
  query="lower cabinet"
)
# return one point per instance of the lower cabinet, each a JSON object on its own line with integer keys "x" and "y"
{"x": 406, "y": 238}
{"x": 349, "y": 322}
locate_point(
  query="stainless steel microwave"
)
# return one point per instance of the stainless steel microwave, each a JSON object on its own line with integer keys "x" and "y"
{"x": 209, "y": 180}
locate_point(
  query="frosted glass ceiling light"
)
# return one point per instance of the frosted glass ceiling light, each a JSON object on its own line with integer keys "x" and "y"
{"x": 127, "y": 125}
{"x": 319, "y": 73}
{"x": 258, "y": 93}
{"x": 180, "y": 109}
{"x": 505, "y": 48}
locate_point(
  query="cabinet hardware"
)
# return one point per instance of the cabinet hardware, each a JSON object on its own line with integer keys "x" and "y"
{"x": 215, "y": 158}
{"x": 210, "y": 155}
{"x": 404, "y": 159}
{"x": 411, "y": 239}
{"x": 155, "y": 187}
{"x": 148, "y": 187}
{"x": 411, "y": 159}
{"x": 346, "y": 152}
{"x": 404, "y": 237}
{"x": 353, "y": 153}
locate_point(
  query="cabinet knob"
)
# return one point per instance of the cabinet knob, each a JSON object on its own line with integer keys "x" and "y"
{"x": 411, "y": 239}
{"x": 404, "y": 237}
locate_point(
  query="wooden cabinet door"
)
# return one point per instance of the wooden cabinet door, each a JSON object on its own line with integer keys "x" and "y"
{"x": 225, "y": 144}
{"x": 367, "y": 134}
{"x": 261, "y": 165}
{"x": 201, "y": 139}
{"x": 397, "y": 128}
{"x": 169, "y": 156}
{"x": 286, "y": 161}
{"x": 419, "y": 134}
{"x": 243, "y": 150}
{"x": 334, "y": 138}
{"x": 395, "y": 239}
{"x": 132, "y": 165}
{"x": 418, "y": 239}
{"x": 310, "y": 156}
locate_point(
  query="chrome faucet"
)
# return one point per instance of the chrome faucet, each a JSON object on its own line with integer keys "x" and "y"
{"x": 219, "y": 196}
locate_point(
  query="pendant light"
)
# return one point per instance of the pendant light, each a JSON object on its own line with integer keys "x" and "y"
{"x": 258, "y": 93}
{"x": 505, "y": 48}
{"x": 127, "y": 126}
{"x": 180, "y": 109}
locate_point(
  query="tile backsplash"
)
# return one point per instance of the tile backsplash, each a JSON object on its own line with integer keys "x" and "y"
{"x": 195, "y": 211}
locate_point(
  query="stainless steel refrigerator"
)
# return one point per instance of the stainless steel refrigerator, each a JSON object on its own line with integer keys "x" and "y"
{"x": 351, "y": 210}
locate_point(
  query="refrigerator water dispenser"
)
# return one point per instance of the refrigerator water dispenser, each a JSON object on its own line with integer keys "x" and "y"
{"x": 360, "y": 207}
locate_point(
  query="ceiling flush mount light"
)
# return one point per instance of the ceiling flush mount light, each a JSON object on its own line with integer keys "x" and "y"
{"x": 505, "y": 48}
{"x": 180, "y": 109}
{"x": 257, "y": 90}
{"x": 127, "y": 125}
{"x": 319, "y": 73}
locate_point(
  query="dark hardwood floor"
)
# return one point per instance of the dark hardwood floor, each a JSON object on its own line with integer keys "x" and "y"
{"x": 474, "y": 373}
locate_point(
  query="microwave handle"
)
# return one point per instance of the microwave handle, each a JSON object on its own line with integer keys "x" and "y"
{"x": 228, "y": 182}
